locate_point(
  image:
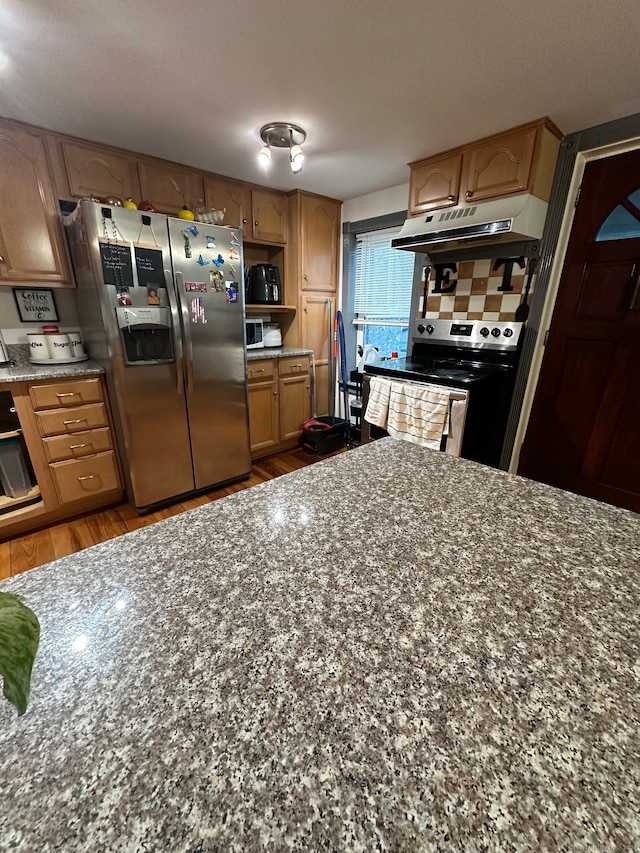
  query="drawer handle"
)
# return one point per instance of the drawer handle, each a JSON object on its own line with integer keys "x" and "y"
{"x": 88, "y": 477}
{"x": 260, "y": 370}
{"x": 76, "y": 446}
{"x": 76, "y": 421}
{"x": 295, "y": 366}
{"x": 68, "y": 394}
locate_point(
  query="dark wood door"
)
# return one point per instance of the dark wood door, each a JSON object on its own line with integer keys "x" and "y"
{"x": 584, "y": 430}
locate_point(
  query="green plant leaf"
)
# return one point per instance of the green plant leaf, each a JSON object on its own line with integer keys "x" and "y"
{"x": 19, "y": 638}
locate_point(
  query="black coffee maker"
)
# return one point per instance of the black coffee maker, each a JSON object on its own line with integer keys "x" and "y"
{"x": 263, "y": 285}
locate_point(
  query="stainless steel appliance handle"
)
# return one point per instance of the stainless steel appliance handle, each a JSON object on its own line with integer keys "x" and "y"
{"x": 177, "y": 325}
{"x": 186, "y": 331}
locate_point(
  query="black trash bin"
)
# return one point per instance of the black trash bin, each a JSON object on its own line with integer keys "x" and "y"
{"x": 322, "y": 435}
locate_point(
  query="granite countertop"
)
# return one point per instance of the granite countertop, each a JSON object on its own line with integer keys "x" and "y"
{"x": 391, "y": 650}
{"x": 24, "y": 371}
{"x": 276, "y": 352}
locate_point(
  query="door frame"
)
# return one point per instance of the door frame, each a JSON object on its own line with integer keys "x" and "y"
{"x": 576, "y": 150}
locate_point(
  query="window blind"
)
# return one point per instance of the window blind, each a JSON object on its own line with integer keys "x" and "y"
{"x": 383, "y": 278}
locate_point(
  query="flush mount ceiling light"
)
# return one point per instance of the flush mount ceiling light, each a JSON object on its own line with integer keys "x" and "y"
{"x": 280, "y": 134}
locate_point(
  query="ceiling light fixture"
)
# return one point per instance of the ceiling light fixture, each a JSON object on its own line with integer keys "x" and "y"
{"x": 280, "y": 134}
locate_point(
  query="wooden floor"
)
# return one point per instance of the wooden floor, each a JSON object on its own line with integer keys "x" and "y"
{"x": 34, "y": 549}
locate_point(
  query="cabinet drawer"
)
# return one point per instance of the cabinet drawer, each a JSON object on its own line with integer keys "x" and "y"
{"x": 82, "y": 478}
{"x": 293, "y": 365}
{"x": 80, "y": 444}
{"x": 258, "y": 371}
{"x": 79, "y": 418}
{"x": 70, "y": 393}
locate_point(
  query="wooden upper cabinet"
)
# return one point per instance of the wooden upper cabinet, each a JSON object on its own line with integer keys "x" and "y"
{"x": 435, "y": 183}
{"x": 169, "y": 187}
{"x": 95, "y": 171}
{"x": 319, "y": 242}
{"x": 500, "y": 166}
{"x": 517, "y": 161}
{"x": 31, "y": 241}
{"x": 269, "y": 216}
{"x": 221, "y": 193}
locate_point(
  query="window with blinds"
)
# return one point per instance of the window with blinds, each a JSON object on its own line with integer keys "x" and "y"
{"x": 382, "y": 283}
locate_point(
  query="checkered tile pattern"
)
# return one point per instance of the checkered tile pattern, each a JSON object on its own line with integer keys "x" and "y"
{"x": 476, "y": 295}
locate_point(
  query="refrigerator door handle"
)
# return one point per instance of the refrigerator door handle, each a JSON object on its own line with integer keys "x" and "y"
{"x": 177, "y": 325}
{"x": 186, "y": 331}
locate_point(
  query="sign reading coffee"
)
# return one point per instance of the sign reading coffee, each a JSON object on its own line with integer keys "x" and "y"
{"x": 35, "y": 305}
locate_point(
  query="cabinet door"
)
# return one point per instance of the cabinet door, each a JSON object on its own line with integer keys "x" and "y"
{"x": 31, "y": 241}
{"x": 263, "y": 414}
{"x": 320, "y": 227}
{"x": 99, "y": 172}
{"x": 315, "y": 336}
{"x": 434, "y": 183}
{"x": 500, "y": 166}
{"x": 269, "y": 216}
{"x": 295, "y": 404}
{"x": 168, "y": 187}
{"x": 232, "y": 196}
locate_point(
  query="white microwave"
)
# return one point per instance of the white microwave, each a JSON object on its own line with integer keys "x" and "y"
{"x": 255, "y": 334}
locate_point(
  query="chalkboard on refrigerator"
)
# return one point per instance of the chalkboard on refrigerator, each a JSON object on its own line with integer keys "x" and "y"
{"x": 116, "y": 264}
{"x": 149, "y": 266}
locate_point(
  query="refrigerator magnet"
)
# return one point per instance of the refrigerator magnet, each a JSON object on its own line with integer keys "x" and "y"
{"x": 216, "y": 281}
{"x": 122, "y": 295}
{"x": 197, "y": 286}
{"x": 202, "y": 261}
{"x": 218, "y": 261}
{"x": 193, "y": 230}
{"x": 233, "y": 253}
{"x": 232, "y": 292}
{"x": 187, "y": 244}
{"x": 211, "y": 243}
{"x": 152, "y": 296}
{"x": 232, "y": 270}
{"x": 234, "y": 239}
{"x": 197, "y": 310}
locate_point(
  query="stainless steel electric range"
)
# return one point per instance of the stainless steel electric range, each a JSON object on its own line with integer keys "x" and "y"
{"x": 475, "y": 358}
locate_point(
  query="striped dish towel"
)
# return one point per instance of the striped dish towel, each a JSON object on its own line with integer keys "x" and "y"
{"x": 378, "y": 404}
{"x": 418, "y": 414}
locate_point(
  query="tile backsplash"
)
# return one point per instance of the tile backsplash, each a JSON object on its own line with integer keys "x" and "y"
{"x": 488, "y": 289}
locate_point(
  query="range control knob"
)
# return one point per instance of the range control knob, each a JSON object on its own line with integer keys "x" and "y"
{"x": 420, "y": 328}
{"x": 508, "y": 333}
{"x": 429, "y": 330}
{"x": 495, "y": 332}
{"x": 484, "y": 332}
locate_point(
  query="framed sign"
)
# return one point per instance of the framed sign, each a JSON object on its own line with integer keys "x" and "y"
{"x": 35, "y": 304}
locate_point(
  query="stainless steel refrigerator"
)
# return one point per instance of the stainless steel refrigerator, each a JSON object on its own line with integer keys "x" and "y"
{"x": 161, "y": 305}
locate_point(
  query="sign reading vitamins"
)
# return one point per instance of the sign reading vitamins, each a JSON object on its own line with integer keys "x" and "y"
{"x": 35, "y": 305}
{"x": 149, "y": 266}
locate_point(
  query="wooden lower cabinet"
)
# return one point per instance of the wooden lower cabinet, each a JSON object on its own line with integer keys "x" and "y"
{"x": 67, "y": 436}
{"x": 264, "y": 414}
{"x": 279, "y": 402}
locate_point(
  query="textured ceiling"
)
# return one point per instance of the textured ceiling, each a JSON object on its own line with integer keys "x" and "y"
{"x": 375, "y": 83}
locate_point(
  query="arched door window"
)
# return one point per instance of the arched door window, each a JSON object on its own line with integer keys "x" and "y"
{"x": 623, "y": 223}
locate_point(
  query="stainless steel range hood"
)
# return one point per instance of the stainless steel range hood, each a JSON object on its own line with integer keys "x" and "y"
{"x": 506, "y": 220}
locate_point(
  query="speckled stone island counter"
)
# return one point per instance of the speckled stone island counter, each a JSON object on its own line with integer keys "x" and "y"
{"x": 22, "y": 370}
{"x": 390, "y": 650}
